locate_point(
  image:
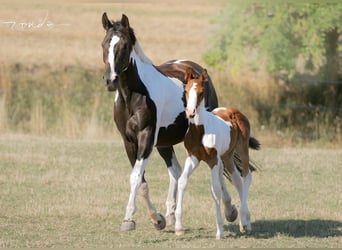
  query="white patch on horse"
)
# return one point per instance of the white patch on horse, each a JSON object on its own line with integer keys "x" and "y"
{"x": 180, "y": 61}
{"x": 218, "y": 109}
{"x": 164, "y": 91}
{"x": 111, "y": 56}
{"x": 176, "y": 81}
{"x": 192, "y": 101}
{"x": 209, "y": 140}
{"x": 214, "y": 128}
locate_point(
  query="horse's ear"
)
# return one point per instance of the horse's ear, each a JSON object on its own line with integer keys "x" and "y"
{"x": 124, "y": 21}
{"x": 204, "y": 75}
{"x": 188, "y": 74}
{"x": 106, "y": 23}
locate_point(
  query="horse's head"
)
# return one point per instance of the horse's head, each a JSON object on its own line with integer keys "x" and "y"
{"x": 117, "y": 46}
{"x": 194, "y": 91}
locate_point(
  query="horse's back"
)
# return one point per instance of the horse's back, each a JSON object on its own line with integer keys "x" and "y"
{"x": 235, "y": 117}
{"x": 177, "y": 69}
{"x": 217, "y": 133}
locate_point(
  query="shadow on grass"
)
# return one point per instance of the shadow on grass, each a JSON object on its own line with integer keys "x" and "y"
{"x": 264, "y": 229}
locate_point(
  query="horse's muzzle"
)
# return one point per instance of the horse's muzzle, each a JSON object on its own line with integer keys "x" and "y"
{"x": 112, "y": 85}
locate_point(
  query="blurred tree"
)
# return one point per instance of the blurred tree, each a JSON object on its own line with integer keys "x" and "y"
{"x": 280, "y": 33}
{"x": 286, "y": 37}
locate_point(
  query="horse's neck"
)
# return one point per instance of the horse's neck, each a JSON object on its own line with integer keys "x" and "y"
{"x": 138, "y": 54}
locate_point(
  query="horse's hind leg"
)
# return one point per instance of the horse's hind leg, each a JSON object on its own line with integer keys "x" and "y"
{"x": 157, "y": 219}
{"x": 242, "y": 184}
{"x": 175, "y": 170}
{"x": 230, "y": 210}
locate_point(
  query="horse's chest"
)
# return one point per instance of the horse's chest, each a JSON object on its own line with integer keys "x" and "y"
{"x": 134, "y": 115}
{"x": 193, "y": 142}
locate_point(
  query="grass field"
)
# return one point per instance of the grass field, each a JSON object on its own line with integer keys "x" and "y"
{"x": 57, "y": 192}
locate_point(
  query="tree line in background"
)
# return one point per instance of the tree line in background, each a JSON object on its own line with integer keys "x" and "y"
{"x": 299, "y": 44}
{"x": 277, "y": 61}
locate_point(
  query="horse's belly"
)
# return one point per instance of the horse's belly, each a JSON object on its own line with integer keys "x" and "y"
{"x": 173, "y": 133}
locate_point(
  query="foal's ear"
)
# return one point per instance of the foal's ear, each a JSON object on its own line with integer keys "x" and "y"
{"x": 106, "y": 23}
{"x": 204, "y": 75}
{"x": 124, "y": 21}
{"x": 188, "y": 74}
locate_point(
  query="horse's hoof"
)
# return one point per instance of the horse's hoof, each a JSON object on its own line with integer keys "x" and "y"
{"x": 161, "y": 223}
{"x": 179, "y": 231}
{"x": 232, "y": 215}
{"x": 220, "y": 237}
{"x": 170, "y": 219}
{"x": 127, "y": 225}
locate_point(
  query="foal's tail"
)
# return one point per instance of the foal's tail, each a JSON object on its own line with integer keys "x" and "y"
{"x": 253, "y": 166}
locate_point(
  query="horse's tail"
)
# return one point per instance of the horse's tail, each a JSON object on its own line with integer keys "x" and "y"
{"x": 254, "y": 143}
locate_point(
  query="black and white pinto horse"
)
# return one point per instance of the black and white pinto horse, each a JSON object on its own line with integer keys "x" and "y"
{"x": 149, "y": 110}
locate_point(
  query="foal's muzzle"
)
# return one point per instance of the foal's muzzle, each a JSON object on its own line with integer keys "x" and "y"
{"x": 190, "y": 113}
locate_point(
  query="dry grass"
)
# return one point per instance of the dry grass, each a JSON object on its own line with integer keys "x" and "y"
{"x": 166, "y": 29}
{"x": 59, "y": 192}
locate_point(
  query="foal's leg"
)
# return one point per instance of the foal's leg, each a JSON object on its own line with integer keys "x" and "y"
{"x": 242, "y": 186}
{"x": 245, "y": 182}
{"x": 191, "y": 163}
{"x": 216, "y": 191}
{"x": 175, "y": 171}
{"x": 230, "y": 210}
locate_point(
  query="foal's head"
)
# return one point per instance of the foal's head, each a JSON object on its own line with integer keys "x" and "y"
{"x": 194, "y": 91}
{"x": 117, "y": 46}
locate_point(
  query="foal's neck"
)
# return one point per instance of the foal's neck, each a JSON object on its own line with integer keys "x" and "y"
{"x": 200, "y": 116}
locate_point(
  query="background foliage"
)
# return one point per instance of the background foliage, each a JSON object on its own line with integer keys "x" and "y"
{"x": 296, "y": 43}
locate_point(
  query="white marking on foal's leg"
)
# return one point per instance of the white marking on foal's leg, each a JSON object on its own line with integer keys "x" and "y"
{"x": 242, "y": 186}
{"x": 190, "y": 165}
{"x": 216, "y": 190}
{"x": 174, "y": 173}
{"x": 245, "y": 223}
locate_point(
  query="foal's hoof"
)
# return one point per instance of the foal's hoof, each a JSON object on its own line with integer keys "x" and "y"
{"x": 244, "y": 229}
{"x": 232, "y": 215}
{"x": 161, "y": 222}
{"x": 127, "y": 225}
{"x": 170, "y": 219}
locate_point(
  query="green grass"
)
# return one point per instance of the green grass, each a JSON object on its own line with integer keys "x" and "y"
{"x": 57, "y": 192}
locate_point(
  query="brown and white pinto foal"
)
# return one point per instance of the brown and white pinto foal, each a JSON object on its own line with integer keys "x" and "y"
{"x": 213, "y": 137}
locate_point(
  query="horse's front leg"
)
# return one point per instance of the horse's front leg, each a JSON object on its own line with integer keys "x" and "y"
{"x": 135, "y": 181}
{"x": 175, "y": 170}
{"x": 191, "y": 163}
{"x": 141, "y": 152}
{"x": 216, "y": 190}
